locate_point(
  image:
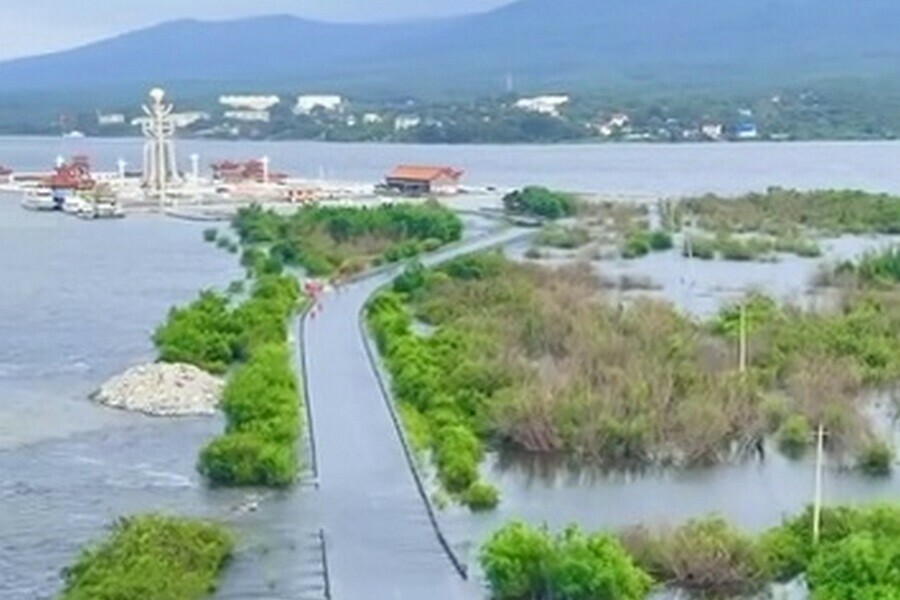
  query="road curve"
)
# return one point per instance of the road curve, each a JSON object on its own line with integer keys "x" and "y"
{"x": 381, "y": 543}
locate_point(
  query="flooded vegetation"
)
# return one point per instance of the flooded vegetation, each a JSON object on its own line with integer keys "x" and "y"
{"x": 164, "y": 558}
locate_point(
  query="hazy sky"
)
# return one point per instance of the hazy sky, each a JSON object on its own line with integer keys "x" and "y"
{"x": 37, "y": 26}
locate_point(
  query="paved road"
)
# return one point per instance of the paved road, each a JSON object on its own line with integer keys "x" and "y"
{"x": 381, "y": 544}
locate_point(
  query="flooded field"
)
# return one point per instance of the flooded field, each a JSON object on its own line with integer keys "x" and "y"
{"x": 82, "y": 299}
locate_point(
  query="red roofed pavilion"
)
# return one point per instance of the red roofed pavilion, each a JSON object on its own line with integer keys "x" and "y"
{"x": 419, "y": 180}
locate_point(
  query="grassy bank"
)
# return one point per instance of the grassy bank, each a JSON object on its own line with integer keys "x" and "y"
{"x": 856, "y": 558}
{"x": 151, "y": 556}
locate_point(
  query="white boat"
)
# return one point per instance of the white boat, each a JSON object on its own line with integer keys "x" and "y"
{"x": 73, "y": 205}
{"x": 40, "y": 199}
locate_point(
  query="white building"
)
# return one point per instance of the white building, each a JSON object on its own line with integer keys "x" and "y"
{"x": 308, "y": 103}
{"x": 110, "y": 119}
{"x": 249, "y": 103}
{"x": 545, "y": 105}
{"x": 183, "y": 119}
{"x": 404, "y": 122}
{"x": 248, "y": 116}
{"x": 713, "y": 131}
{"x": 372, "y": 118}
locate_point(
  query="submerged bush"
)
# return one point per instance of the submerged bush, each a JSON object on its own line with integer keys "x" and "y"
{"x": 151, "y": 556}
{"x": 704, "y": 554}
{"x": 481, "y": 496}
{"x": 876, "y": 459}
{"x": 794, "y": 435}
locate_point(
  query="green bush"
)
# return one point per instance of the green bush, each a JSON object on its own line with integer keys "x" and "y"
{"x": 794, "y": 435}
{"x": 705, "y": 554}
{"x": 151, "y": 556}
{"x": 210, "y": 234}
{"x": 261, "y": 405}
{"x": 701, "y": 247}
{"x": 481, "y": 496}
{"x": 520, "y": 562}
{"x": 540, "y": 202}
{"x": 877, "y": 459}
{"x": 246, "y": 459}
{"x": 637, "y": 244}
{"x": 202, "y": 334}
{"x": 661, "y": 240}
{"x": 863, "y": 566}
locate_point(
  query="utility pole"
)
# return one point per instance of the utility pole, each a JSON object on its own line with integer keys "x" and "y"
{"x": 820, "y": 465}
{"x": 742, "y": 343}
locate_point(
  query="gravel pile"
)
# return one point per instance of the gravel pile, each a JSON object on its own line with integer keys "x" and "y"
{"x": 164, "y": 390}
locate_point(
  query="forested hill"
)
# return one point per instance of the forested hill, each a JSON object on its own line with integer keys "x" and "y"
{"x": 541, "y": 43}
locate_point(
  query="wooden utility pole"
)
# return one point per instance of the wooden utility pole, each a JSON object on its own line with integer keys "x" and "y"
{"x": 820, "y": 465}
{"x": 742, "y": 343}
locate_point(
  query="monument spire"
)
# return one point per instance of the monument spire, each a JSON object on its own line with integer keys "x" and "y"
{"x": 160, "y": 167}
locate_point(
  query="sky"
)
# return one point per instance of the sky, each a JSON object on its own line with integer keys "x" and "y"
{"x": 30, "y": 27}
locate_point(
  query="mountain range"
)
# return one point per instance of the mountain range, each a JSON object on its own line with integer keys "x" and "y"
{"x": 540, "y": 44}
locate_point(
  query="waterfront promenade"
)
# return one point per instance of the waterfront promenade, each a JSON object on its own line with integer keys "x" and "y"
{"x": 380, "y": 540}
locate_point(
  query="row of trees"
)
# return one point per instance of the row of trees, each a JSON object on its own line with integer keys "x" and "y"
{"x": 856, "y": 557}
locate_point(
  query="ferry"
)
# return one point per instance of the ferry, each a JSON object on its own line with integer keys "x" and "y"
{"x": 41, "y": 199}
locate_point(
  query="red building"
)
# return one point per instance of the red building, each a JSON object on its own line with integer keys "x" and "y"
{"x": 229, "y": 171}
{"x": 420, "y": 180}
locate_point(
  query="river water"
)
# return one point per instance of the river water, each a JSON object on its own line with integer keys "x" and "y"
{"x": 81, "y": 298}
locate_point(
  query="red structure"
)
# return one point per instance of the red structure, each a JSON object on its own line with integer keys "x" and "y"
{"x": 418, "y": 180}
{"x": 229, "y": 171}
{"x": 73, "y": 175}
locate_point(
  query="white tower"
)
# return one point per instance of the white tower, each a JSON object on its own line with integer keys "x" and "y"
{"x": 160, "y": 168}
{"x": 195, "y": 168}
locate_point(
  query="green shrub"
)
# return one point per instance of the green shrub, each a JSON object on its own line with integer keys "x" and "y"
{"x": 661, "y": 240}
{"x": 151, "y": 556}
{"x": 481, "y": 496}
{"x": 877, "y": 459}
{"x": 210, "y": 234}
{"x": 705, "y": 554}
{"x": 203, "y": 334}
{"x": 794, "y": 435}
{"x": 540, "y": 202}
{"x": 520, "y": 562}
{"x": 637, "y": 244}
{"x": 247, "y": 459}
{"x": 863, "y": 566}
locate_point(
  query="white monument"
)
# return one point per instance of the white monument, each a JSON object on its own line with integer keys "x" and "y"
{"x": 160, "y": 168}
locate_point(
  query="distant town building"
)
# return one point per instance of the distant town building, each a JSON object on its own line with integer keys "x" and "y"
{"x": 248, "y": 116}
{"x": 545, "y": 105}
{"x": 617, "y": 123}
{"x": 713, "y": 131}
{"x": 251, "y": 171}
{"x": 251, "y": 103}
{"x": 746, "y": 130}
{"x": 419, "y": 180}
{"x": 372, "y": 118}
{"x": 306, "y": 104}
{"x": 404, "y": 122}
{"x": 351, "y": 121}
{"x": 110, "y": 120}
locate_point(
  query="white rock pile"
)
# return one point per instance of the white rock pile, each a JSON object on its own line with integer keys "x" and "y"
{"x": 164, "y": 390}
